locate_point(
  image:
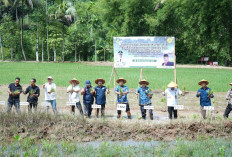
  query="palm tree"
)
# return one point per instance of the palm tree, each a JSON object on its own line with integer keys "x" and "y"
{"x": 64, "y": 14}
{"x": 28, "y": 3}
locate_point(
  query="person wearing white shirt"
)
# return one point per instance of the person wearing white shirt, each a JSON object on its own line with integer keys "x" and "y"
{"x": 171, "y": 94}
{"x": 73, "y": 90}
{"x": 50, "y": 94}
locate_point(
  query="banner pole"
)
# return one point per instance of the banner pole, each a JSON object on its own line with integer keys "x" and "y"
{"x": 175, "y": 69}
{"x": 141, "y": 74}
{"x": 114, "y": 85}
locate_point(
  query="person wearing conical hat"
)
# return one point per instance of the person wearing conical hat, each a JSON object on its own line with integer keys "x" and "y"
{"x": 145, "y": 95}
{"x": 121, "y": 90}
{"x": 205, "y": 94}
{"x": 171, "y": 94}
{"x": 73, "y": 90}
{"x": 229, "y": 106}
{"x": 100, "y": 96}
{"x": 50, "y": 94}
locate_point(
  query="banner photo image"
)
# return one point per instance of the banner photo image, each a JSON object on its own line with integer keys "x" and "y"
{"x": 144, "y": 52}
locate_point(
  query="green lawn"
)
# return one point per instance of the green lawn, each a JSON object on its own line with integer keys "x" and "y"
{"x": 158, "y": 78}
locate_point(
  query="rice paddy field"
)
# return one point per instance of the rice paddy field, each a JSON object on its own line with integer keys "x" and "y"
{"x": 65, "y": 134}
{"x": 158, "y": 78}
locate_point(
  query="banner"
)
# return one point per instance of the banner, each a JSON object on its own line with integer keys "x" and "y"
{"x": 144, "y": 52}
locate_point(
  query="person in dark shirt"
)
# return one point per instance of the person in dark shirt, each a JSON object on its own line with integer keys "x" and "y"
{"x": 14, "y": 90}
{"x": 166, "y": 61}
{"x": 34, "y": 93}
{"x": 88, "y": 98}
{"x": 205, "y": 95}
{"x": 100, "y": 96}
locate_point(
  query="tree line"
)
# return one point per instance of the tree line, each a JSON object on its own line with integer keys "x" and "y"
{"x": 83, "y": 30}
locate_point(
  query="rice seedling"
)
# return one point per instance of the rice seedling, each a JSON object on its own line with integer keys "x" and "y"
{"x": 163, "y": 100}
{"x": 52, "y": 90}
{"x": 210, "y": 92}
{"x": 16, "y": 92}
{"x": 120, "y": 92}
{"x": 31, "y": 93}
{"x": 92, "y": 90}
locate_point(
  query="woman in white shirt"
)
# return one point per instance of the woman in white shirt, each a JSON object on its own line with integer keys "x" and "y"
{"x": 171, "y": 94}
{"x": 50, "y": 94}
{"x": 73, "y": 90}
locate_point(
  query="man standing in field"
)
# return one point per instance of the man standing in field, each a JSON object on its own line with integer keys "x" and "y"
{"x": 34, "y": 93}
{"x": 73, "y": 90}
{"x": 50, "y": 94}
{"x": 205, "y": 95}
{"x": 172, "y": 93}
{"x": 14, "y": 90}
{"x": 88, "y": 98}
{"x": 145, "y": 95}
{"x": 121, "y": 90}
{"x": 100, "y": 93}
{"x": 229, "y": 106}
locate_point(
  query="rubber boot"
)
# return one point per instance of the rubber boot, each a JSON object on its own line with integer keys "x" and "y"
{"x": 151, "y": 117}
{"x": 119, "y": 116}
{"x": 128, "y": 114}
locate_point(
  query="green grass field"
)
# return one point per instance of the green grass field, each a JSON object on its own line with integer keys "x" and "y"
{"x": 158, "y": 78}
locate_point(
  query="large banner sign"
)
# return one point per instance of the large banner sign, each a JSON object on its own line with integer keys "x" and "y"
{"x": 147, "y": 52}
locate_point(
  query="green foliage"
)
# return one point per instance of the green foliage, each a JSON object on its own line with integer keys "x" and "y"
{"x": 17, "y": 138}
{"x": 201, "y": 28}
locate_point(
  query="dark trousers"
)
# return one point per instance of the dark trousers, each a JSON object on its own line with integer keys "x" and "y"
{"x": 88, "y": 110}
{"x": 34, "y": 105}
{"x": 102, "y": 110}
{"x": 127, "y": 108}
{"x": 172, "y": 111}
{"x": 144, "y": 111}
{"x": 13, "y": 103}
{"x": 78, "y": 104}
{"x": 228, "y": 110}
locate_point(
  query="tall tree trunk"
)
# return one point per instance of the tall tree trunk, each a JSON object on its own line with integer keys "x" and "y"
{"x": 27, "y": 19}
{"x": 42, "y": 49}
{"x": 16, "y": 14}
{"x": 47, "y": 27}
{"x": 22, "y": 34}
{"x": 75, "y": 52}
{"x": 12, "y": 51}
{"x": 54, "y": 54}
{"x": 2, "y": 52}
{"x": 80, "y": 55}
{"x": 63, "y": 44}
{"x": 37, "y": 41}
{"x": 95, "y": 51}
{"x": 104, "y": 55}
{"x": 54, "y": 50}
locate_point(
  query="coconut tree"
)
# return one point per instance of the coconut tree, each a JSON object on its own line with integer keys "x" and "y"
{"x": 23, "y": 3}
{"x": 64, "y": 14}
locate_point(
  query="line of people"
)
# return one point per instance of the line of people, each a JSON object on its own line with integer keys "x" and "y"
{"x": 99, "y": 94}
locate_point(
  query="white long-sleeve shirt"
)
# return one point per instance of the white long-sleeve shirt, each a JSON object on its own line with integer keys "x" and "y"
{"x": 47, "y": 88}
{"x": 74, "y": 96}
{"x": 172, "y": 96}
